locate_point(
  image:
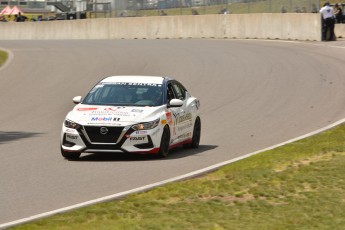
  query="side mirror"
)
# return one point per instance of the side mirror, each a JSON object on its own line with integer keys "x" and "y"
{"x": 175, "y": 103}
{"x": 77, "y": 99}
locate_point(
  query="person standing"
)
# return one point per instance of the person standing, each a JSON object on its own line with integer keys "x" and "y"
{"x": 328, "y": 22}
{"x": 338, "y": 12}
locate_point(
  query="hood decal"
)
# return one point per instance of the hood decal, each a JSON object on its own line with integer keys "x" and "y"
{"x": 111, "y": 115}
{"x": 86, "y": 109}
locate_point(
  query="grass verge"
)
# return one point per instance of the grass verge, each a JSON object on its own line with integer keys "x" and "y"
{"x": 296, "y": 186}
{"x": 3, "y": 57}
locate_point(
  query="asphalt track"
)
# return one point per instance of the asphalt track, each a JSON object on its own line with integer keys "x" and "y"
{"x": 253, "y": 94}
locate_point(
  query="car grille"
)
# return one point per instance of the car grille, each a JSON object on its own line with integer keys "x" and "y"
{"x": 95, "y": 135}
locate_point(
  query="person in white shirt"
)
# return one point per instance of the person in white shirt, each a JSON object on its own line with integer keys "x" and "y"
{"x": 328, "y": 22}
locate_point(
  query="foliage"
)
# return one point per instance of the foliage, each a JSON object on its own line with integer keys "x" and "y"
{"x": 3, "y": 57}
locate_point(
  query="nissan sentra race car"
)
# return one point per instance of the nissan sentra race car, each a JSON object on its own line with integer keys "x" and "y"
{"x": 132, "y": 114}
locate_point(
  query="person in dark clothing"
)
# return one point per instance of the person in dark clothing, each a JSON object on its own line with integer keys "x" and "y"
{"x": 20, "y": 18}
{"x": 328, "y": 21}
{"x": 163, "y": 13}
{"x": 338, "y": 12}
{"x": 195, "y": 12}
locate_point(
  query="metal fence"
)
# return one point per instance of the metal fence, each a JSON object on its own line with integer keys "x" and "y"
{"x": 185, "y": 7}
{"x": 130, "y": 8}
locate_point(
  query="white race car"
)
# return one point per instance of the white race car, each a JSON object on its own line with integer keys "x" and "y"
{"x": 139, "y": 114}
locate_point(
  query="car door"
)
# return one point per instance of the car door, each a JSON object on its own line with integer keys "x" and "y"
{"x": 183, "y": 116}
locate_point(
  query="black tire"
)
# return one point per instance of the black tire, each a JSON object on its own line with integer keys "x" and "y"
{"x": 165, "y": 142}
{"x": 70, "y": 155}
{"x": 196, "y": 135}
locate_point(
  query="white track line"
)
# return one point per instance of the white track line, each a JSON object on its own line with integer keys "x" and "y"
{"x": 150, "y": 186}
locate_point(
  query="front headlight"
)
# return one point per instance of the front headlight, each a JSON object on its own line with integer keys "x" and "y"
{"x": 146, "y": 125}
{"x": 71, "y": 124}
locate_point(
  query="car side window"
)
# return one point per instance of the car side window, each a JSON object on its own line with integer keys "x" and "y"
{"x": 183, "y": 90}
{"x": 179, "y": 90}
{"x": 170, "y": 92}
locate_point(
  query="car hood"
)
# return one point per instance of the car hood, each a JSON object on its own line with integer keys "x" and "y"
{"x": 112, "y": 115}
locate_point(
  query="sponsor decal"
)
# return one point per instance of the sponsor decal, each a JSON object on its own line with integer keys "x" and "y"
{"x": 140, "y": 132}
{"x": 137, "y": 110}
{"x": 103, "y": 123}
{"x": 122, "y": 114}
{"x": 70, "y": 130}
{"x": 137, "y": 138}
{"x": 163, "y": 122}
{"x": 186, "y": 135}
{"x": 175, "y": 115}
{"x": 110, "y": 109}
{"x": 185, "y": 126}
{"x": 108, "y": 112}
{"x": 169, "y": 118}
{"x": 71, "y": 137}
{"x": 131, "y": 83}
{"x": 101, "y": 118}
{"x": 116, "y": 119}
{"x": 173, "y": 121}
{"x": 86, "y": 109}
{"x": 187, "y": 116}
{"x": 114, "y": 108}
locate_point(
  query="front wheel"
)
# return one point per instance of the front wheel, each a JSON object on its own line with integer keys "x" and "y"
{"x": 70, "y": 155}
{"x": 165, "y": 142}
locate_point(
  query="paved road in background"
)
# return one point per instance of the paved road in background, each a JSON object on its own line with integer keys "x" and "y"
{"x": 254, "y": 94}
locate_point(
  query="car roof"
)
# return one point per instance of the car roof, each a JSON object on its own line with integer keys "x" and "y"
{"x": 136, "y": 79}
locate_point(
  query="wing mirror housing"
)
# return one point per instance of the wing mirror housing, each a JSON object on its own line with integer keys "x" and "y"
{"x": 77, "y": 99}
{"x": 175, "y": 103}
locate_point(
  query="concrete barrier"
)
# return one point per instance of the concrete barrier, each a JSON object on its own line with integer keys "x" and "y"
{"x": 263, "y": 26}
{"x": 339, "y": 30}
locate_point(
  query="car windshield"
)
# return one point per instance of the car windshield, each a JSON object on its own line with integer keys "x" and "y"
{"x": 125, "y": 94}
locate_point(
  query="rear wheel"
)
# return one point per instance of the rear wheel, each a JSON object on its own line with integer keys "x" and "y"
{"x": 165, "y": 142}
{"x": 196, "y": 135}
{"x": 70, "y": 155}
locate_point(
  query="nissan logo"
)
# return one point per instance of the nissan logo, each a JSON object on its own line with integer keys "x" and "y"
{"x": 103, "y": 130}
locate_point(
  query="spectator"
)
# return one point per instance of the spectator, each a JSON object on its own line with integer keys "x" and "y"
{"x": 162, "y": 13}
{"x": 328, "y": 22}
{"x": 297, "y": 10}
{"x": 3, "y": 19}
{"x": 338, "y": 12}
{"x": 195, "y": 12}
{"x": 224, "y": 11}
{"x": 20, "y": 18}
{"x": 314, "y": 9}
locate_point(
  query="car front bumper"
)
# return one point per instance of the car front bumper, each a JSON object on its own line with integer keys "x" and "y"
{"x": 118, "y": 139}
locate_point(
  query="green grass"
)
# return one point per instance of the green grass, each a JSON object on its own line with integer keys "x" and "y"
{"x": 296, "y": 186}
{"x": 3, "y": 57}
